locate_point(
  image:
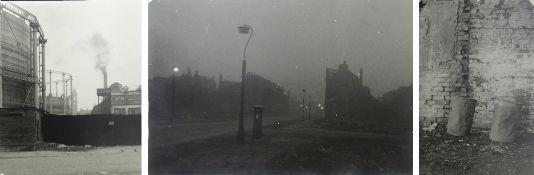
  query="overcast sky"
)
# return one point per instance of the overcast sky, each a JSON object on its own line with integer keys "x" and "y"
{"x": 72, "y": 27}
{"x": 293, "y": 41}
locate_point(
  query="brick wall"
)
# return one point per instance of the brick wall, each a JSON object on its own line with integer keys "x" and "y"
{"x": 440, "y": 67}
{"x": 19, "y": 128}
{"x": 482, "y": 49}
{"x": 502, "y": 48}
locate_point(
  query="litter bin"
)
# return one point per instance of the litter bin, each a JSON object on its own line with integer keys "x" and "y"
{"x": 504, "y": 122}
{"x": 257, "y": 122}
{"x": 461, "y": 116}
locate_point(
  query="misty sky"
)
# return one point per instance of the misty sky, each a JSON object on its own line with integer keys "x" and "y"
{"x": 72, "y": 27}
{"x": 293, "y": 41}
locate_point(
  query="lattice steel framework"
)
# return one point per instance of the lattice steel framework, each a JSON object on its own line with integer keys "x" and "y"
{"x": 67, "y": 97}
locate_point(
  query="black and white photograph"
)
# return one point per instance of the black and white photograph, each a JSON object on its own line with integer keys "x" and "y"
{"x": 476, "y": 81}
{"x": 70, "y": 91}
{"x": 280, "y": 87}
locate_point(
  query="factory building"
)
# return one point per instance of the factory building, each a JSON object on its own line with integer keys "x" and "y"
{"x": 118, "y": 99}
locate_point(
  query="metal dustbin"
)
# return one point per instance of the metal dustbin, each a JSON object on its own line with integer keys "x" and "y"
{"x": 461, "y": 116}
{"x": 257, "y": 122}
{"x": 505, "y": 120}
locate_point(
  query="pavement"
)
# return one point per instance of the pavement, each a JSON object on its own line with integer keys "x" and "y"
{"x": 100, "y": 160}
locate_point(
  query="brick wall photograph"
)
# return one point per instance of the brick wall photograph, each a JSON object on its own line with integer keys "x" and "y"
{"x": 480, "y": 49}
{"x": 476, "y": 62}
{"x": 440, "y": 68}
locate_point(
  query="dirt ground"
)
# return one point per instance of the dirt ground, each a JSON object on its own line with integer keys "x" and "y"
{"x": 73, "y": 160}
{"x": 293, "y": 148}
{"x": 475, "y": 153}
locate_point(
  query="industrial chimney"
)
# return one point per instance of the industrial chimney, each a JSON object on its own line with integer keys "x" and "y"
{"x": 105, "y": 73}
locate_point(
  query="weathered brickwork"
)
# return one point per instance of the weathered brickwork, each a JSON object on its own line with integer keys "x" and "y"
{"x": 493, "y": 55}
{"x": 502, "y": 54}
{"x": 443, "y": 38}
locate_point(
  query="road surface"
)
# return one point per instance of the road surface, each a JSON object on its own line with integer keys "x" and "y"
{"x": 296, "y": 148}
{"x": 108, "y": 160}
{"x": 163, "y": 134}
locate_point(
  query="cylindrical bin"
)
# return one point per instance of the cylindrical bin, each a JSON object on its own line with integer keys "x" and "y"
{"x": 461, "y": 116}
{"x": 257, "y": 124}
{"x": 504, "y": 123}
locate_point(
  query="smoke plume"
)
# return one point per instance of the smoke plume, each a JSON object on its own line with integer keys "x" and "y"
{"x": 100, "y": 47}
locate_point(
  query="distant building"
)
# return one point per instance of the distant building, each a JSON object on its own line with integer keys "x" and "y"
{"x": 84, "y": 111}
{"x": 345, "y": 94}
{"x": 258, "y": 91}
{"x": 58, "y": 105}
{"x": 201, "y": 96}
{"x": 117, "y": 99}
{"x": 61, "y": 104}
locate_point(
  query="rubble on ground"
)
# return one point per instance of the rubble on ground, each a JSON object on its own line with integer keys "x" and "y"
{"x": 475, "y": 153}
{"x": 46, "y": 146}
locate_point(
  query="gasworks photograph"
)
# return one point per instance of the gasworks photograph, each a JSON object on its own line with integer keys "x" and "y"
{"x": 280, "y": 87}
{"x": 476, "y": 86}
{"x": 58, "y": 114}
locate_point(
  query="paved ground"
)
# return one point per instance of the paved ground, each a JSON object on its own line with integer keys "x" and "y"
{"x": 106, "y": 160}
{"x": 294, "y": 148}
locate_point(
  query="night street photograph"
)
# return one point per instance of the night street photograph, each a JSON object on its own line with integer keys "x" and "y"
{"x": 280, "y": 87}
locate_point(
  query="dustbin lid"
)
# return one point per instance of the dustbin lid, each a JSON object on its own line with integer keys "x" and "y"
{"x": 507, "y": 99}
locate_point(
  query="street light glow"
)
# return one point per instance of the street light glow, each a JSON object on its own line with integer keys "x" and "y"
{"x": 175, "y": 69}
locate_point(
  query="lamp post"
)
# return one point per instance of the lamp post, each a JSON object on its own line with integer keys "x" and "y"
{"x": 318, "y": 110}
{"x": 244, "y": 29}
{"x": 303, "y": 105}
{"x": 175, "y": 70}
{"x": 309, "y": 107}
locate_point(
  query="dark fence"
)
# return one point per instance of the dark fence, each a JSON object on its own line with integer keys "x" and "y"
{"x": 98, "y": 129}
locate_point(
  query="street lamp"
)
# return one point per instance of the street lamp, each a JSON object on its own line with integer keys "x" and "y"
{"x": 244, "y": 29}
{"x": 303, "y": 105}
{"x": 175, "y": 70}
{"x": 309, "y": 107}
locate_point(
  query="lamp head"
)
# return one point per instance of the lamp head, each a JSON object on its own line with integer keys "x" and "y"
{"x": 244, "y": 29}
